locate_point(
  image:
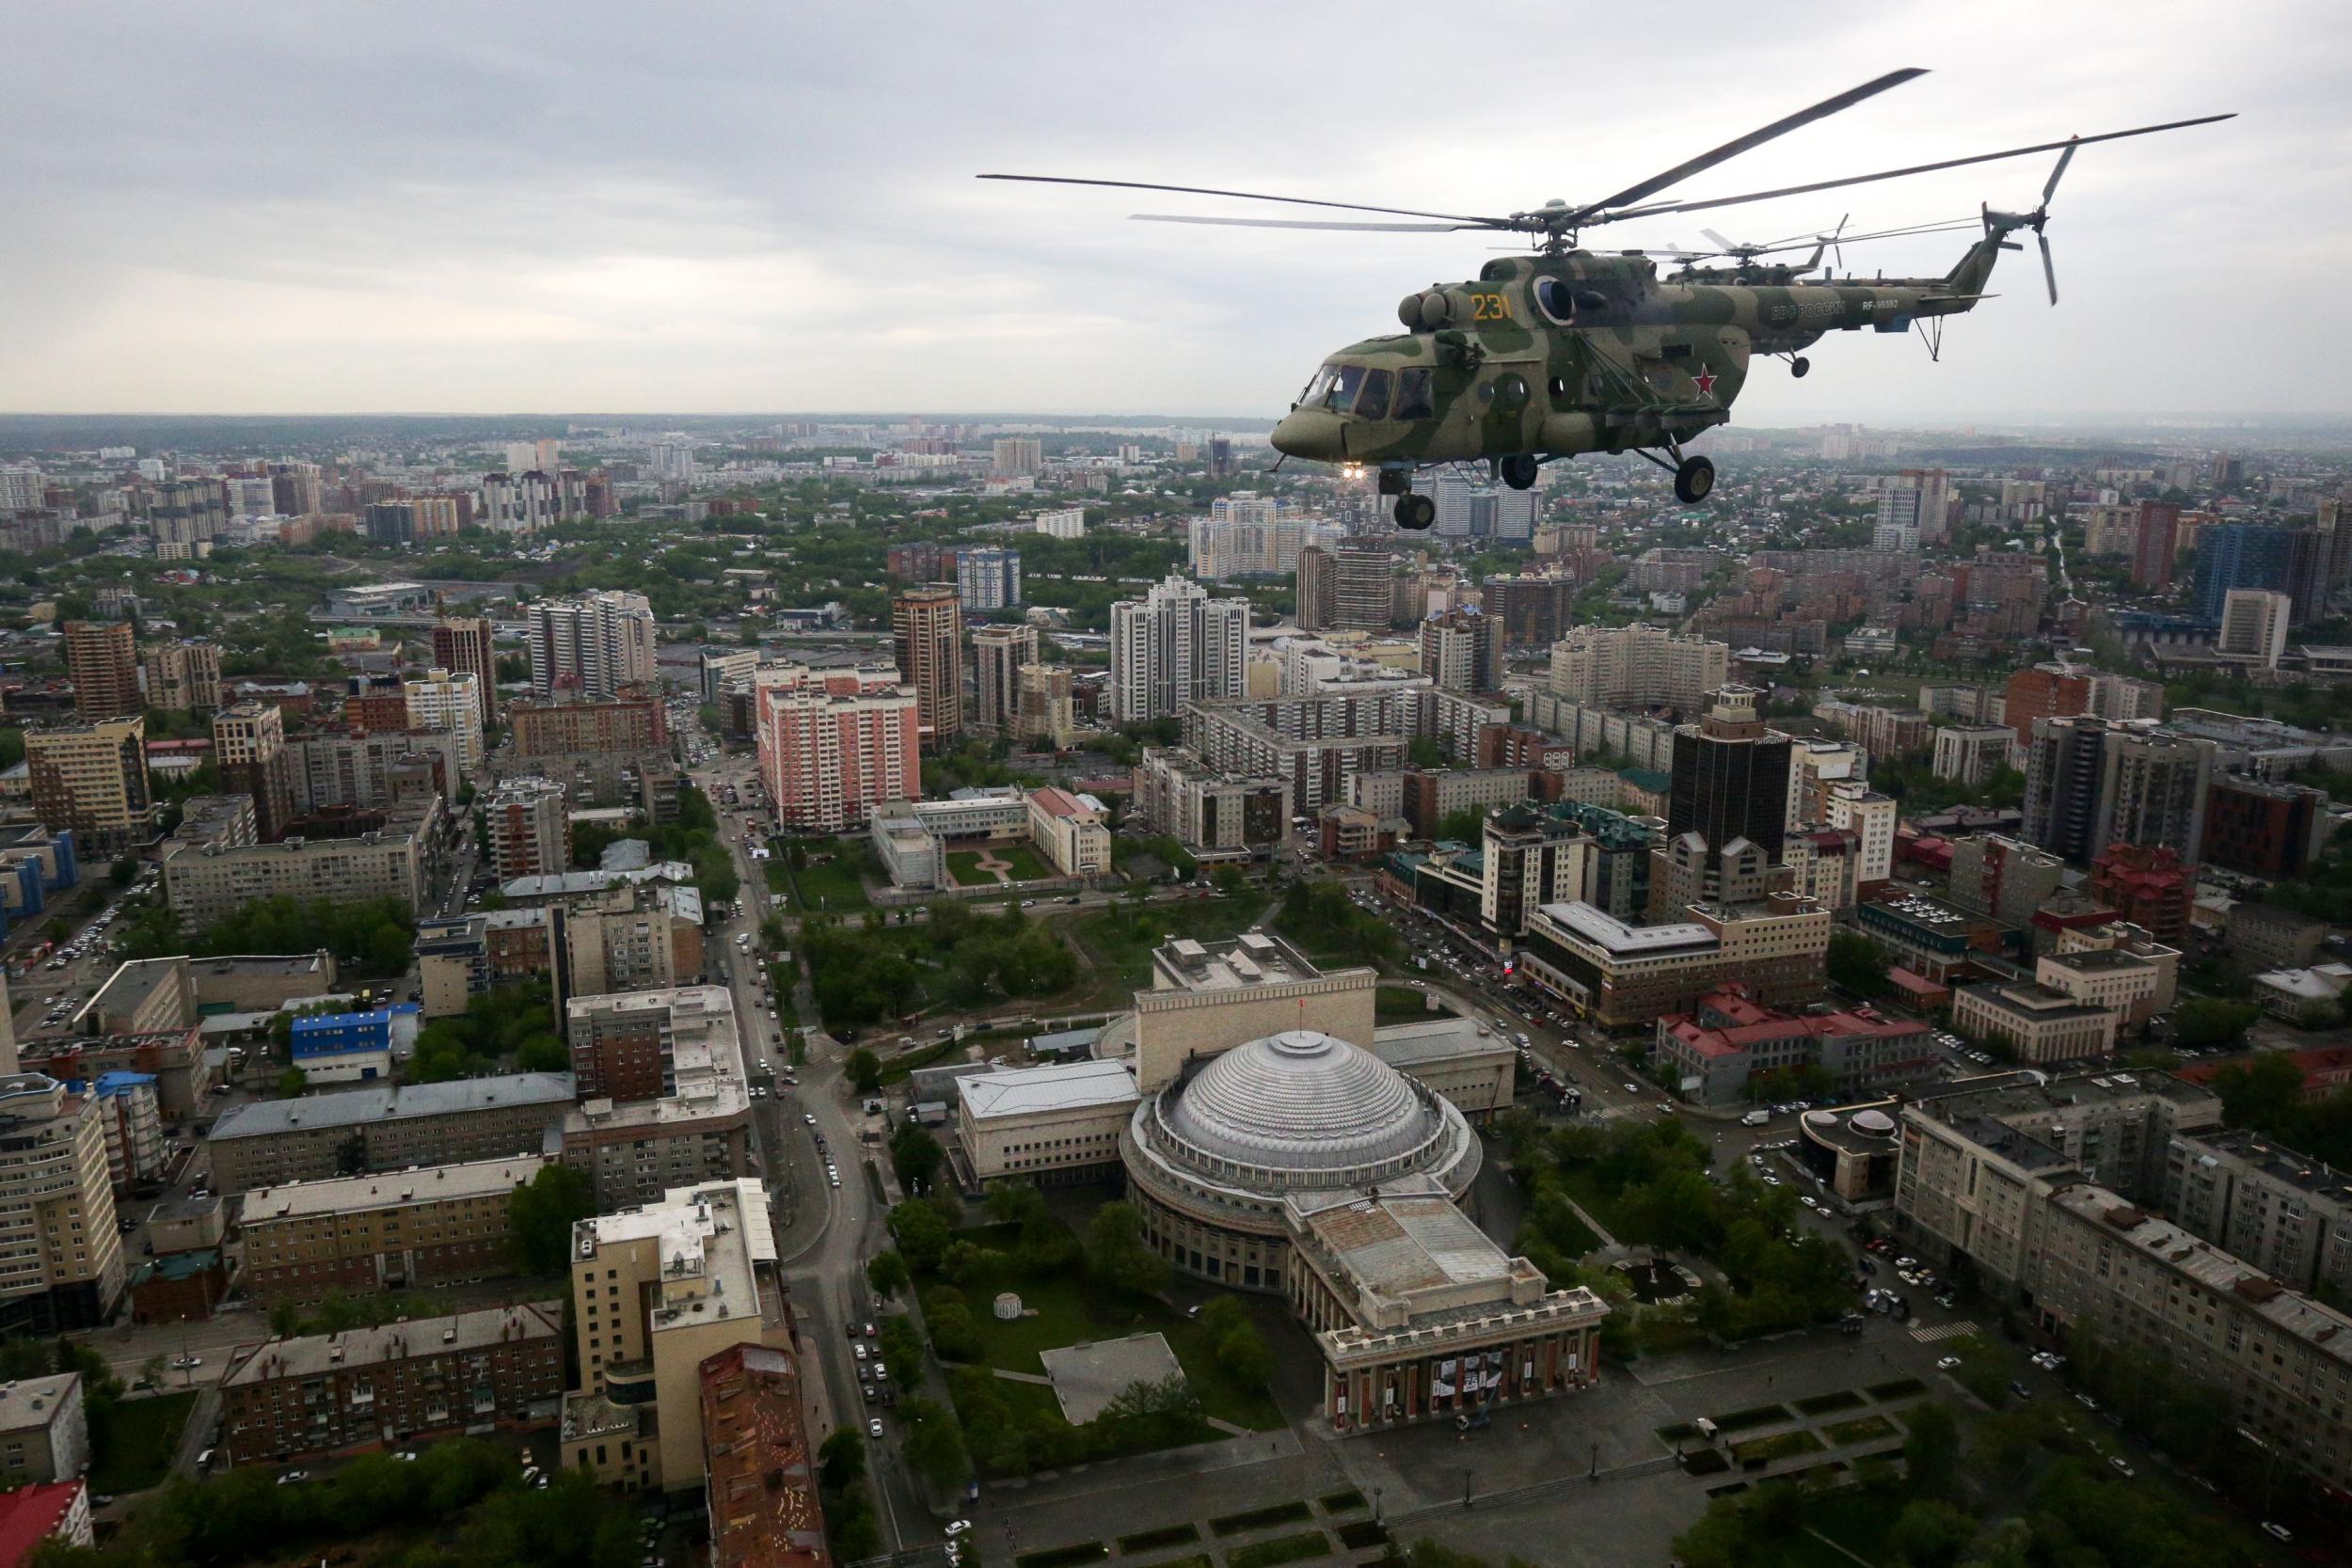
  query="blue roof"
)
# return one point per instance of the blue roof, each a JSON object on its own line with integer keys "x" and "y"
{"x": 116, "y": 1083}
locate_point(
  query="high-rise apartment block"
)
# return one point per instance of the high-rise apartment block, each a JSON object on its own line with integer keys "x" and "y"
{"x": 103, "y": 660}
{"x": 988, "y": 577}
{"x": 1174, "y": 646}
{"x": 1532, "y": 609}
{"x": 2044, "y": 691}
{"x": 530, "y": 832}
{"x": 2155, "y": 535}
{"x": 927, "y": 644}
{"x": 1016, "y": 457}
{"x": 998, "y": 653}
{"x": 1971, "y": 753}
{"x": 591, "y": 645}
{"x": 1638, "y": 665}
{"x": 464, "y": 643}
{"x": 1045, "y": 709}
{"x": 2254, "y": 624}
{"x": 249, "y": 749}
{"x": 835, "y": 743}
{"x": 60, "y": 1252}
{"x": 1459, "y": 652}
{"x": 449, "y": 702}
{"x": 1063, "y": 523}
{"x": 1317, "y": 582}
{"x": 183, "y": 678}
{"x": 1366, "y": 578}
{"x": 2263, "y": 829}
{"x": 1730, "y": 776}
{"x": 92, "y": 779}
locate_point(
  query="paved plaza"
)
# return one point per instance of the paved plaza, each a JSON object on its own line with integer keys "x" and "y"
{"x": 1088, "y": 1377}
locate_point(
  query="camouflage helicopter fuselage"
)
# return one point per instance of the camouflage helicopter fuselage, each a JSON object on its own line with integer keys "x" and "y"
{"x": 1549, "y": 355}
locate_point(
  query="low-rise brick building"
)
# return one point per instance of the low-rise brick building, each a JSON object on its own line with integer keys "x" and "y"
{"x": 382, "y": 1232}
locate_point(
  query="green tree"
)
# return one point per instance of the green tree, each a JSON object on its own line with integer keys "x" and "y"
{"x": 2205, "y": 1022}
{"x": 841, "y": 1459}
{"x": 864, "y": 1070}
{"x": 1931, "y": 1533}
{"x": 1932, "y": 1449}
{"x": 916, "y": 1156}
{"x": 1116, "y": 1255}
{"x": 1857, "y": 964}
{"x": 934, "y": 1446}
{"x": 923, "y": 1234}
{"x": 293, "y": 1083}
{"x": 902, "y": 1346}
{"x": 124, "y": 871}
{"x": 886, "y": 1273}
{"x": 540, "y": 1214}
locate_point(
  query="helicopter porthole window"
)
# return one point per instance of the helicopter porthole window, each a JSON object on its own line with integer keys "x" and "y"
{"x": 1556, "y": 300}
{"x": 1509, "y": 391}
{"x": 1559, "y": 388}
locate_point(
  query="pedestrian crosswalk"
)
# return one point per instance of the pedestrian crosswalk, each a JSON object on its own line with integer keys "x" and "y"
{"x": 1928, "y": 1333}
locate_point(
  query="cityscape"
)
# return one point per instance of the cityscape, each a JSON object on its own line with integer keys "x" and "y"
{"x": 1199, "y": 980}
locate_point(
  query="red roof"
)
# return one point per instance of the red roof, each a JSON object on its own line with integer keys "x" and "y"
{"x": 1056, "y": 803}
{"x": 30, "y": 1515}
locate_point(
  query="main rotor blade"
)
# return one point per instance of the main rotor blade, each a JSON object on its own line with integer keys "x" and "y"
{"x": 1718, "y": 240}
{"x": 1900, "y": 173}
{"x": 2059, "y": 173}
{"x": 1249, "y": 196}
{"x": 1308, "y": 223}
{"x": 1823, "y": 110}
{"x": 2049, "y": 273}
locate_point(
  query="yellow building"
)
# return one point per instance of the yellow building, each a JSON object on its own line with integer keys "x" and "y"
{"x": 61, "y": 1254}
{"x": 93, "y": 778}
{"x": 655, "y": 1292}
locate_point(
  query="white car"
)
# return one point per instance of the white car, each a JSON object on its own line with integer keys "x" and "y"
{"x": 1634, "y": 1088}
{"x": 873, "y": 1426}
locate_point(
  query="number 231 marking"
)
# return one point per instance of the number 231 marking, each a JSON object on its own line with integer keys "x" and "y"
{"x": 1491, "y": 308}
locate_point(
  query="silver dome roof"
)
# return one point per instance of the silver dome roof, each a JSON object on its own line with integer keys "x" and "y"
{"x": 1303, "y": 1100}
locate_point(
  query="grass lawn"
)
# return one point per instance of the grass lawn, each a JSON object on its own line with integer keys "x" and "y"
{"x": 897, "y": 1067}
{"x": 1861, "y": 1430}
{"x": 1118, "y": 942}
{"x": 1064, "y": 1557}
{"x": 1286, "y": 1548}
{"x": 1757, "y": 1416}
{"x": 963, "y": 869}
{"x": 1856, "y": 1517}
{"x": 1153, "y": 1540}
{"x": 829, "y": 889}
{"x": 1823, "y": 1405}
{"x": 1403, "y": 1005}
{"x": 1027, "y": 866}
{"x": 1261, "y": 1518}
{"x": 1342, "y": 1502}
{"x": 1779, "y": 1446}
{"x": 146, "y": 1434}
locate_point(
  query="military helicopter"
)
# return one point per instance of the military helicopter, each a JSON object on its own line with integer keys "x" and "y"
{"x": 1565, "y": 351}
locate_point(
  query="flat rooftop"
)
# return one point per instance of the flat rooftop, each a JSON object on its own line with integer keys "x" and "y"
{"x": 1060, "y": 1087}
{"x": 316, "y": 1355}
{"x": 1598, "y": 926}
{"x": 269, "y": 1118}
{"x": 709, "y": 1241}
{"x": 2278, "y": 1162}
{"x": 354, "y": 1195}
{"x": 1420, "y": 1043}
{"x": 32, "y": 1401}
{"x": 2099, "y": 960}
{"x": 1403, "y": 1243}
{"x": 1252, "y": 959}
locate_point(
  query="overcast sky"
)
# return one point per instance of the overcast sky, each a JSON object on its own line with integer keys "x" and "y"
{"x": 239, "y": 206}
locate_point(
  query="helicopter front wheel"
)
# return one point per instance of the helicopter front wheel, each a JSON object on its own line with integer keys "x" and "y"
{"x": 1693, "y": 479}
{"x": 1520, "y": 470}
{"x": 1798, "y": 365}
{"x": 1415, "y": 512}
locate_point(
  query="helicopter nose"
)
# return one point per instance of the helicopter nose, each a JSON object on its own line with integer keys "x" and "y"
{"x": 1312, "y": 433}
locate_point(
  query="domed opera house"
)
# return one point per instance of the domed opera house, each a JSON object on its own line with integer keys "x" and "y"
{"x": 1211, "y": 1156}
{"x": 1301, "y": 1164}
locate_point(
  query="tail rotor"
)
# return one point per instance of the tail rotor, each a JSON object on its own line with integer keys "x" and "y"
{"x": 1998, "y": 225}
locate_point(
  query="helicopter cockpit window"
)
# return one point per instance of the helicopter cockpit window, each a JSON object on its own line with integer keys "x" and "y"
{"x": 1320, "y": 387}
{"x": 1412, "y": 395}
{"x": 1555, "y": 299}
{"x": 1343, "y": 394}
{"x": 1373, "y": 402}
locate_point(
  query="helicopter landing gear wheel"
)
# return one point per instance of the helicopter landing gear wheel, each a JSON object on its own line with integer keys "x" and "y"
{"x": 1693, "y": 479}
{"x": 1415, "y": 512}
{"x": 1519, "y": 471}
{"x": 1798, "y": 365}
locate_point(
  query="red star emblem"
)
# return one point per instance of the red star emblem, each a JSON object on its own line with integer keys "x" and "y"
{"x": 1705, "y": 382}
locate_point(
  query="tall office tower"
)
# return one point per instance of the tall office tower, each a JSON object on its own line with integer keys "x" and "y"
{"x": 1529, "y": 611}
{"x": 1457, "y": 652}
{"x": 2335, "y": 533}
{"x": 592, "y": 645}
{"x": 997, "y": 654}
{"x": 1367, "y": 591}
{"x": 2151, "y": 791}
{"x": 523, "y": 456}
{"x": 249, "y": 749}
{"x": 60, "y": 1248}
{"x": 1318, "y": 588}
{"x": 2239, "y": 555}
{"x": 2155, "y": 533}
{"x": 187, "y": 511}
{"x": 449, "y": 702}
{"x": 530, "y": 831}
{"x": 184, "y": 677}
{"x": 1045, "y": 713}
{"x": 2255, "y": 626}
{"x": 988, "y": 577}
{"x": 1934, "y": 488}
{"x": 2044, "y": 691}
{"x": 1016, "y": 457}
{"x": 1177, "y": 645}
{"x": 103, "y": 658}
{"x": 296, "y": 489}
{"x": 93, "y": 778}
{"x": 1730, "y": 776}
{"x": 927, "y": 644}
{"x": 834, "y": 744}
{"x": 2305, "y": 580}
{"x": 465, "y": 643}
{"x": 2064, "y": 761}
